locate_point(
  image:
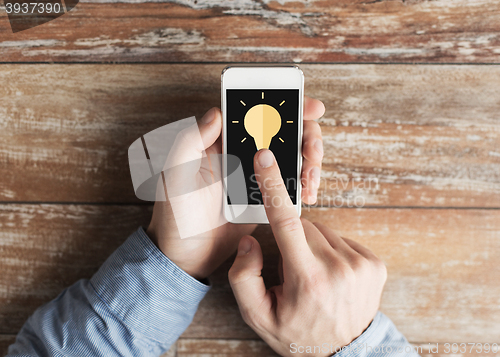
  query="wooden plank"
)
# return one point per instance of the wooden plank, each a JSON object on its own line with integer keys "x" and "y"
{"x": 412, "y": 135}
{"x": 172, "y": 352}
{"x": 442, "y": 286}
{"x": 45, "y": 248}
{"x": 212, "y": 347}
{"x": 5, "y": 342}
{"x": 221, "y": 348}
{"x": 272, "y": 31}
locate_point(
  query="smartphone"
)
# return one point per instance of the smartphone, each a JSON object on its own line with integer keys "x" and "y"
{"x": 262, "y": 107}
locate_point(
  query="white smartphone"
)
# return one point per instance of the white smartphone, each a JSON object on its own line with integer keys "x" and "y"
{"x": 262, "y": 107}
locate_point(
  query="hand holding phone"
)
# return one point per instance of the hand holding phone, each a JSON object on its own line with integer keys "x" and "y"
{"x": 200, "y": 257}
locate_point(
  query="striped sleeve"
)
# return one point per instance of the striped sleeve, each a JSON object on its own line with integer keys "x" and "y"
{"x": 381, "y": 338}
{"x": 137, "y": 304}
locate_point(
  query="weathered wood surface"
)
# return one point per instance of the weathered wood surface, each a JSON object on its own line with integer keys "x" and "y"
{"x": 193, "y": 347}
{"x": 45, "y": 248}
{"x": 442, "y": 263}
{"x": 7, "y": 340}
{"x": 459, "y": 31}
{"x": 413, "y": 135}
{"x": 222, "y": 348}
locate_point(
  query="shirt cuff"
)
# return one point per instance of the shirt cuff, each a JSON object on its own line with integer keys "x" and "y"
{"x": 146, "y": 290}
{"x": 381, "y": 338}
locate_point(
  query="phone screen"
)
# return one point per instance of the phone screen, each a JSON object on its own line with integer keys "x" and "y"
{"x": 262, "y": 118}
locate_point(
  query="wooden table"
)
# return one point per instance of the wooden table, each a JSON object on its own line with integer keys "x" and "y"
{"x": 412, "y": 91}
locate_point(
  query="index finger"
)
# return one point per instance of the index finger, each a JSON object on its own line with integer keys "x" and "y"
{"x": 283, "y": 216}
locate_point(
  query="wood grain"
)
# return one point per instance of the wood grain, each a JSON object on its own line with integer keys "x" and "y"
{"x": 45, "y": 248}
{"x": 209, "y": 347}
{"x": 394, "y": 135}
{"x": 443, "y": 31}
{"x": 442, "y": 265}
{"x": 5, "y": 342}
{"x": 198, "y": 347}
{"x": 221, "y": 348}
{"x": 439, "y": 275}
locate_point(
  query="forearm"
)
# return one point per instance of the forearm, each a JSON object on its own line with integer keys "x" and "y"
{"x": 137, "y": 304}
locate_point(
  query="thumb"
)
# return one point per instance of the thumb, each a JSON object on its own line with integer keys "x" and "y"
{"x": 192, "y": 141}
{"x": 188, "y": 153}
{"x": 248, "y": 286}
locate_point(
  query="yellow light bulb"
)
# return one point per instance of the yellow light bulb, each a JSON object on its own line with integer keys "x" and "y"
{"x": 262, "y": 122}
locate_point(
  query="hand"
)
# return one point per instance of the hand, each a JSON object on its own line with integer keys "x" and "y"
{"x": 331, "y": 286}
{"x": 200, "y": 256}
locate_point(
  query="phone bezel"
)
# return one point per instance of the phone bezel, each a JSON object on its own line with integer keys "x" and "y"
{"x": 260, "y": 77}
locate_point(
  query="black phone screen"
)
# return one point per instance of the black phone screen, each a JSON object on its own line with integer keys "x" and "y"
{"x": 267, "y": 118}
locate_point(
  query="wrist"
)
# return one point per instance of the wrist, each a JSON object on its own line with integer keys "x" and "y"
{"x": 190, "y": 267}
{"x": 369, "y": 337}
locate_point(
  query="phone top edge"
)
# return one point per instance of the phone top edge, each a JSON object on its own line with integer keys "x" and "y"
{"x": 262, "y": 77}
{"x": 251, "y": 65}
{"x": 261, "y": 65}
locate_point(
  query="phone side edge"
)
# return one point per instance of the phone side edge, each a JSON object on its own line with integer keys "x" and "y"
{"x": 300, "y": 139}
{"x": 224, "y": 148}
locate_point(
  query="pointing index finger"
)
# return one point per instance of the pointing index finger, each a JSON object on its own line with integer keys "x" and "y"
{"x": 282, "y": 215}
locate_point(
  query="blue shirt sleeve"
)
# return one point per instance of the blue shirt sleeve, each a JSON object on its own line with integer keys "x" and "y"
{"x": 137, "y": 304}
{"x": 380, "y": 339}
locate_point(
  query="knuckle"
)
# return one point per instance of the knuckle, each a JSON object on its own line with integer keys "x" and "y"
{"x": 344, "y": 271}
{"x": 253, "y": 318}
{"x": 360, "y": 263}
{"x": 289, "y": 224}
{"x": 315, "y": 284}
{"x": 273, "y": 183}
{"x": 369, "y": 266}
{"x": 185, "y": 135}
{"x": 316, "y": 126}
{"x": 247, "y": 316}
{"x": 236, "y": 276}
{"x": 381, "y": 269}
{"x": 312, "y": 125}
{"x": 231, "y": 274}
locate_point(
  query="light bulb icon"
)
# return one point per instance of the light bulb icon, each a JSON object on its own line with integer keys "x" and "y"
{"x": 262, "y": 122}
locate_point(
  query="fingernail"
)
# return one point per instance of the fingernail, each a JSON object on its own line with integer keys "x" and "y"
{"x": 315, "y": 175}
{"x": 208, "y": 117}
{"x": 266, "y": 158}
{"x": 245, "y": 246}
{"x": 318, "y": 145}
